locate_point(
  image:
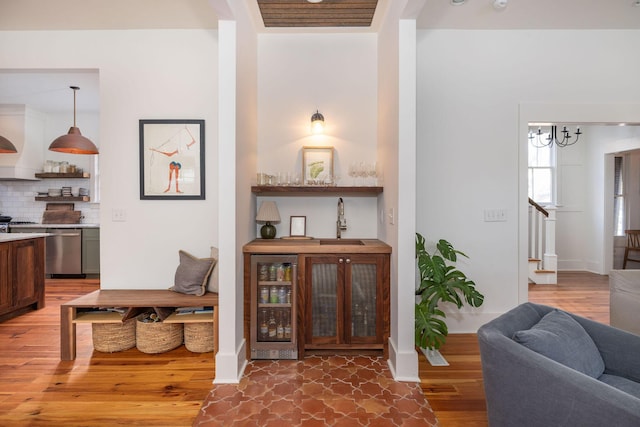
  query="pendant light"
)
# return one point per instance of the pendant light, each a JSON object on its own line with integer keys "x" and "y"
{"x": 7, "y": 146}
{"x": 73, "y": 142}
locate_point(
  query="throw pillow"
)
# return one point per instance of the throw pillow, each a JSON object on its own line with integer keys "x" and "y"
{"x": 560, "y": 337}
{"x": 212, "y": 286}
{"x": 191, "y": 274}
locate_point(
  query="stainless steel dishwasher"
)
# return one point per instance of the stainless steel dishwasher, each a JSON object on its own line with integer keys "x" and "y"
{"x": 64, "y": 251}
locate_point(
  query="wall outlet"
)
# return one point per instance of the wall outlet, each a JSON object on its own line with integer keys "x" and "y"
{"x": 118, "y": 215}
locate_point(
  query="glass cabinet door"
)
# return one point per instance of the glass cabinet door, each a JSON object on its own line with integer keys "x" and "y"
{"x": 363, "y": 295}
{"x": 273, "y": 296}
{"x": 324, "y": 288}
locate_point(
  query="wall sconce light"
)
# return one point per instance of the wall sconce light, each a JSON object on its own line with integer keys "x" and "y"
{"x": 317, "y": 123}
{"x": 7, "y": 146}
{"x": 268, "y": 213}
{"x": 73, "y": 142}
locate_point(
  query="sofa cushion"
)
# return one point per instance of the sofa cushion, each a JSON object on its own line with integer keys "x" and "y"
{"x": 192, "y": 274}
{"x": 622, "y": 383}
{"x": 561, "y": 338}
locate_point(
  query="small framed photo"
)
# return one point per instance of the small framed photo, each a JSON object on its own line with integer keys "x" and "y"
{"x": 298, "y": 226}
{"x": 172, "y": 159}
{"x": 317, "y": 164}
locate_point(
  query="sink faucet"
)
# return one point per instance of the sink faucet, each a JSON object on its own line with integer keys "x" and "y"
{"x": 341, "y": 224}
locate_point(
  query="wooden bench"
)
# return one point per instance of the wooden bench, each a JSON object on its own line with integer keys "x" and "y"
{"x": 130, "y": 298}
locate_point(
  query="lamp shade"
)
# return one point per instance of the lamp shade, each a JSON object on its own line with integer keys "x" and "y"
{"x": 7, "y": 146}
{"x": 268, "y": 212}
{"x": 73, "y": 142}
{"x": 317, "y": 123}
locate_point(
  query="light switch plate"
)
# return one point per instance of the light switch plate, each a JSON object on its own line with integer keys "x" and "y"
{"x": 495, "y": 215}
{"x": 118, "y": 215}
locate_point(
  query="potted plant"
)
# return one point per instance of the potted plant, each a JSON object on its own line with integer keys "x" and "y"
{"x": 439, "y": 282}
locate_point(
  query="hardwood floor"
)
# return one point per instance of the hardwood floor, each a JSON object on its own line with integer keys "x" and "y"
{"x": 132, "y": 388}
{"x": 456, "y": 392}
{"x": 97, "y": 389}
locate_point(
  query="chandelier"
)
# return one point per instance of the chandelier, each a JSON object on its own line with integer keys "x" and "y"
{"x": 538, "y": 140}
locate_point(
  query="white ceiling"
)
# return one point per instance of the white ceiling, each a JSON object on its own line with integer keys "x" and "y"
{"x": 48, "y": 91}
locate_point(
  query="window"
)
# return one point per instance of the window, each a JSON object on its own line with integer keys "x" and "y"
{"x": 618, "y": 198}
{"x": 542, "y": 173}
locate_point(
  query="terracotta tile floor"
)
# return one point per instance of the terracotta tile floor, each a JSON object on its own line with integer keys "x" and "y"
{"x": 317, "y": 391}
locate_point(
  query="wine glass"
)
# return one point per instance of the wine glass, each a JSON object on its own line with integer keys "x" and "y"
{"x": 353, "y": 171}
{"x": 362, "y": 172}
{"x": 372, "y": 171}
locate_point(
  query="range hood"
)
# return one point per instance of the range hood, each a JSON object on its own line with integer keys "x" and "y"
{"x": 24, "y": 127}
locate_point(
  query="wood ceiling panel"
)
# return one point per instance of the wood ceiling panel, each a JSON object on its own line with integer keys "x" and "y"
{"x": 328, "y": 13}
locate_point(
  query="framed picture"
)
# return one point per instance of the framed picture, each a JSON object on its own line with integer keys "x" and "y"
{"x": 172, "y": 159}
{"x": 298, "y": 226}
{"x": 317, "y": 164}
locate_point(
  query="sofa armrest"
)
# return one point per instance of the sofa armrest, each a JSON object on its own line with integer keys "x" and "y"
{"x": 524, "y": 388}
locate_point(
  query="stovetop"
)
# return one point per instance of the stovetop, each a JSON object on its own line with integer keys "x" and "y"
{"x": 21, "y": 222}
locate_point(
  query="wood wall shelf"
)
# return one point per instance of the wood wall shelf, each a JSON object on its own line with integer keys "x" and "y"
{"x": 63, "y": 199}
{"x": 277, "y": 190}
{"x": 52, "y": 175}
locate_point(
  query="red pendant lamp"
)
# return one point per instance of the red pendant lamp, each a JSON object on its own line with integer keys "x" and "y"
{"x": 73, "y": 142}
{"x": 7, "y": 146}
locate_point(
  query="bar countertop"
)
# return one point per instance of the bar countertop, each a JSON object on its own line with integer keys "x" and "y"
{"x": 316, "y": 246}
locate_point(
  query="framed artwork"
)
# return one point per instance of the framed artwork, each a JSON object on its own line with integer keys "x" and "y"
{"x": 172, "y": 159}
{"x": 298, "y": 226}
{"x": 317, "y": 164}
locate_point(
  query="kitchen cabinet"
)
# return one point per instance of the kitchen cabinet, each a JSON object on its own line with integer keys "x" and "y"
{"x": 90, "y": 251}
{"x": 21, "y": 276}
{"x": 346, "y": 302}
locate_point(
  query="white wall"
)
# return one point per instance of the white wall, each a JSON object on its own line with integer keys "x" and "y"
{"x": 169, "y": 74}
{"x": 471, "y": 155}
{"x": 335, "y": 74}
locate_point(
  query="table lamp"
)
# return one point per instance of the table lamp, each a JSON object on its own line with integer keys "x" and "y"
{"x": 268, "y": 213}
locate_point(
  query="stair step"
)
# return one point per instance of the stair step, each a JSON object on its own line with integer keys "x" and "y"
{"x": 545, "y": 271}
{"x": 534, "y": 260}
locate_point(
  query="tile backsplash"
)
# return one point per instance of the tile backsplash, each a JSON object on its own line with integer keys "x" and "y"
{"x": 17, "y": 199}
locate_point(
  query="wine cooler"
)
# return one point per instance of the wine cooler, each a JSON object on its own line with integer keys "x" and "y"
{"x": 273, "y": 307}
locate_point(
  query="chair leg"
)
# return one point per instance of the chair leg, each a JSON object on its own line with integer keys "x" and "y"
{"x": 626, "y": 254}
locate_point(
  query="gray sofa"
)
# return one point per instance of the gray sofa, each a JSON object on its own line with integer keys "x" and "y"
{"x": 590, "y": 375}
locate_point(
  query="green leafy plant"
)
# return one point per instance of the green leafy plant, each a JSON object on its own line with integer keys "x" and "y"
{"x": 439, "y": 281}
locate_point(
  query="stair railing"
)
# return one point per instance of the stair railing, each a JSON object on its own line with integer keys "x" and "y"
{"x": 542, "y": 234}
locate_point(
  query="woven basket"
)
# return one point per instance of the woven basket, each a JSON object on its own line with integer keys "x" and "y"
{"x": 113, "y": 337}
{"x": 198, "y": 337}
{"x": 158, "y": 337}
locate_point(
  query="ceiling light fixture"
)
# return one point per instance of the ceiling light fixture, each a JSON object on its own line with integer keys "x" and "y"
{"x": 73, "y": 142}
{"x": 457, "y": 2}
{"x": 499, "y": 4}
{"x": 317, "y": 123}
{"x": 314, "y": 1}
{"x": 552, "y": 137}
{"x": 7, "y": 146}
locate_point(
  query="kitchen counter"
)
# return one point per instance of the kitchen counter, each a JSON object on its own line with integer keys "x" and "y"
{"x": 54, "y": 226}
{"x": 12, "y": 237}
{"x": 316, "y": 246}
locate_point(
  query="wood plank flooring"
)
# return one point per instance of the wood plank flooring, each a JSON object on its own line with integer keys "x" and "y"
{"x": 135, "y": 389}
{"x": 456, "y": 392}
{"x": 97, "y": 389}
